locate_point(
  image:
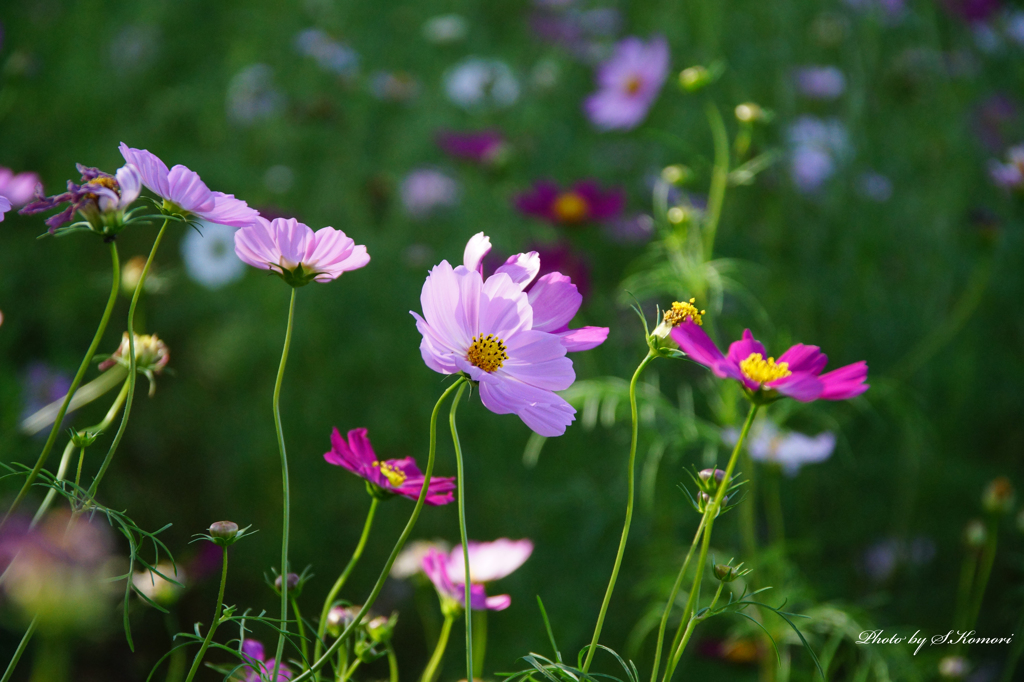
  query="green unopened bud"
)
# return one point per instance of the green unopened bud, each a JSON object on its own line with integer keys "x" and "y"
{"x": 726, "y": 573}
{"x": 748, "y": 112}
{"x": 695, "y": 78}
{"x": 712, "y": 478}
{"x": 975, "y": 534}
{"x": 83, "y": 439}
{"x": 676, "y": 174}
{"x": 381, "y": 628}
{"x": 224, "y": 533}
{"x": 998, "y": 497}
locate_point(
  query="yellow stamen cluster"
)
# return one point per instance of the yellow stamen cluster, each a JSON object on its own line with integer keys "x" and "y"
{"x": 681, "y": 311}
{"x": 633, "y": 85}
{"x": 763, "y": 371}
{"x": 394, "y": 475}
{"x": 570, "y": 207}
{"x": 487, "y": 352}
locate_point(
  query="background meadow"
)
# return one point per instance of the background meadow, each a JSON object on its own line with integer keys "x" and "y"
{"x": 878, "y": 233}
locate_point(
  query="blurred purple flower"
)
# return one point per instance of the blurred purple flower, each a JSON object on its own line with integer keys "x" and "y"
{"x": 820, "y": 82}
{"x": 637, "y": 228}
{"x": 816, "y": 147}
{"x": 385, "y": 478}
{"x": 628, "y": 83}
{"x": 18, "y": 188}
{"x": 875, "y": 186}
{"x": 582, "y": 32}
{"x": 788, "y": 449}
{"x": 584, "y": 202}
{"x": 5, "y": 206}
{"x": 993, "y": 118}
{"x": 1009, "y": 175}
{"x": 486, "y": 147}
{"x": 252, "y": 96}
{"x": 260, "y": 668}
{"x": 425, "y": 190}
{"x": 40, "y": 386}
{"x": 329, "y": 54}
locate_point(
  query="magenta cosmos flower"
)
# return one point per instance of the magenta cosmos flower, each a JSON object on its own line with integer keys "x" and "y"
{"x": 511, "y": 342}
{"x": 583, "y": 202}
{"x": 486, "y": 147}
{"x": 628, "y": 83}
{"x": 184, "y": 192}
{"x": 388, "y": 477}
{"x": 259, "y": 667}
{"x": 797, "y": 374}
{"x": 296, "y": 253}
{"x": 487, "y": 561}
{"x": 17, "y": 188}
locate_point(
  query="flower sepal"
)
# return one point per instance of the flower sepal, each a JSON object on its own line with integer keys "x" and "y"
{"x": 378, "y": 493}
{"x": 224, "y": 533}
{"x": 707, "y": 482}
{"x": 296, "y": 582}
{"x": 299, "y": 276}
{"x": 762, "y": 396}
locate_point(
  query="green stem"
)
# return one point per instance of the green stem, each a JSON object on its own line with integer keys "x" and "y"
{"x": 748, "y": 512}
{"x": 1015, "y": 652}
{"x": 213, "y": 624}
{"x": 461, "y": 492}
{"x": 131, "y": 364}
{"x": 672, "y": 597}
{"x": 301, "y": 627}
{"x": 22, "y": 645}
{"x": 963, "y": 596}
{"x": 351, "y": 669}
{"x": 442, "y": 643}
{"x": 286, "y": 502}
{"x": 406, "y": 532}
{"x": 719, "y": 177}
{"x": 712, "y": 513}
{"x": 694, "y": 619}
{"x": 392, "y": 664}
{"x": 988, "y": 557}
{"x": 86, "y": 361}
{"x": 340, "y": 582}
{"x": 479, "y": 644}
{"x": 592, "y": 649}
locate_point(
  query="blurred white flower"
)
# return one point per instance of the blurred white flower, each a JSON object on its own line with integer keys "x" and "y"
{"x": 425, "y": 190}
{"x": 1014, "y": 27}
{"x": 252, "y": 95}
{"x": 446, "y": 29}
{"x": 210, "y": 256}
{"x": 476, "y": 83}
{"x": 788, "y": 449}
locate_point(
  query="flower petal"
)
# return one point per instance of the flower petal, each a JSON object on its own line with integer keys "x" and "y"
{"x": 479, "y": 245}
{"x": 803, "y": 358}
{"x": 802, "y": 386}
{"x": 845, "y": 382}
{"x": 489, "y": 560}
{"x": 584, "y": 338}
{"x": 522, "y": 268}
{"x": 555, "y": 301}
{"x": 742, "y": 349}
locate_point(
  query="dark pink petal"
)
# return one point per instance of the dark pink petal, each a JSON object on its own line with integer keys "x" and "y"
{"x": 359, "y": 443}
{"x": 539, "y": 201}
{"x": 253, "y": 649}
{"x": 695, "y": 342}
{"x": 555, "y": 301}
{"x": 802, "y": 386}
{"x": 603, "y": 205}
{"x": 801, "y": 358}
{"x": 584, "y": 338}
{"x": 845, "y": 382}
{"x": 742, "y": 349}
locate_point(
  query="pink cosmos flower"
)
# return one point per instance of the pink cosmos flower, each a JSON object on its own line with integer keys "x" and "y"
{"x": 797, "y": 374}
{"x": 487, "y": 561}
{"x": 583, "y": 202}
{"x": 17, "y": 188}
{"x": 628, "y": 82}
{"x": 296, "y": 253}
{"x": 101, "y": 199}
{"x": 185, "y": 191}
{"x": 486, "y": 147}
{"x": 260, "y": 668}
{"x": 389, "y": 477}
{"x": 510, "y": 342}
{"x": 5, "y": 206}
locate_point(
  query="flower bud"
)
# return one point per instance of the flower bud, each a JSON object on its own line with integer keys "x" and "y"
{"x": 695, "y": 78}
{"x": 381, "y": 628}
{"x": 676, "y": 174}
{"x": 748, "y": 112}
{"x": 224, "y": 533}
{"x": 293, "y": 584}
{"x": 726, "y": 573}
{"x": 340, "y": 617}
{"x": 975, "y": 534}
{"x": 998, "y": 497}
{"x": 83, "y": 439}
{"x": 704, "y": 501}
{"x": 707, "y": 475}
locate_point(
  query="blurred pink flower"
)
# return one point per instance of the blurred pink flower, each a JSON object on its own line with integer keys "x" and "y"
{"x": 426, "y": 190}
{"x": 486, "y": 147}
{"x": 583, "y": 202}
{"x": 797, "y": 374}
{"x": 628, "y": 83}
{"x": 1009, "y": 175}
{"x": 385, "y": 477}
{"x": 5, "y": 206}
{"x": 17, "y": 188}
{"x": 487, "y": 561}
{"x": 260, "y": 668}
{"x": 296, "y": 253}
{"x": 185, "y": 190}
{"x": 820, "y": 82}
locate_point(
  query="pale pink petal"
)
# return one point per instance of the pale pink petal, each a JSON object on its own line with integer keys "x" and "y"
{"x": 5, "y": 206}
{"x": 479, "y": 245}
{"x": 538, "y": 359}
{"x": 129, "y": 180}
{"x": 439, "y": 299}
{"x": 584, "y": 338}
{"x": 522, "y": 268}
{"x": 505, "y": 309}
{"x": 153, "y": 171}
{"x": 497, "y": 603}
{"x": 227, "y": 210}
{"x": 489, "y": 560}
{"x": 555, "y": 301}
{"x": 255, "y": 246}
{"x": 546, "y": 413}
{"x": 188, "y": 191}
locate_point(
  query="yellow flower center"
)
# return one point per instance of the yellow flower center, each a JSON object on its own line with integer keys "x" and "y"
{"x": 763, "y": 371}
{"x": 487, "y": 352}
{"x": 633, "y": 84}
{"x": 570, "y": 207}
{"x": 394, "y": 475}
{"x": 681, "y": 311}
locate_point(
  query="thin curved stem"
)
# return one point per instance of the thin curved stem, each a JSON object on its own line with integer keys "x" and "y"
{"x": 22, "y": 645}
{"x": 430, "y": 672}
{"x": 214, "y": 623}
{"x": 461, "y": 492}
{"x": 592, "y": 649}
{"x": 340, "y": 582}
{"x": 132, "y": 374}
{"x": 712, "y": 513}
{"x": 406, "y": 532}
{"x": 719, "y": 177}
{"x": 301, "y": 627}
{"x": 672, "y": 597}
{"x": 392, "y": 664}
{"x": 86, "y": 361}
{"x": 694, "y": 619}
{"x": 286, "y": 495}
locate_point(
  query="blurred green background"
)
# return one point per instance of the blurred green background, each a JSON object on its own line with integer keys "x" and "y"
{"x": 868, "y": 263}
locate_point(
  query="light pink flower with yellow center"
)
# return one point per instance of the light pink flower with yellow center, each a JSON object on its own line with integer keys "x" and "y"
{"x": 297, "y": 253}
